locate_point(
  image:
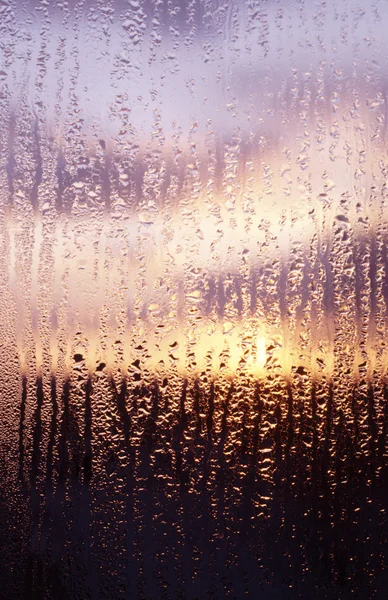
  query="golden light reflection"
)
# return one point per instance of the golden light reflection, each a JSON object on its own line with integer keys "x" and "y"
{"x": 224, "y": 282}
{"x": 182, "y": 300}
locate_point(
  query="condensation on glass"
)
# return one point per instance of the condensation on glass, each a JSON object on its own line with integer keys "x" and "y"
{"x": 193, "y": 234}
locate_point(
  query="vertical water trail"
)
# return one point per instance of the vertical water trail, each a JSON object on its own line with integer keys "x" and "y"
{"x": 44, "y": 542}
{"x": 287, "y": 350}
{"x": 34, "y": 573}
{"x": 14, "y": 286}
{"x": 72, "y": 308}
{"x": 59, "y": 273}
{"x": 100, "y": 295}
{"x": 373, "y": 298}
{"x": 35, "y": 262}
{"x": 12, "y": 232}
{"x": 22, "y": 425}
{"x": 130, "y": 283}
{"x": 92, "y": 316}
{"x": 11, "y": 159}
{"x": 114, "y": 293}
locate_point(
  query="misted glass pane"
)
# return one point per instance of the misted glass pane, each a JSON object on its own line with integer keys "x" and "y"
{"x": 193, "y": 299}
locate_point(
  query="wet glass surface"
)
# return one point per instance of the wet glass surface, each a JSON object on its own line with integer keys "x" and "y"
{"x": 193, "y": 299}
